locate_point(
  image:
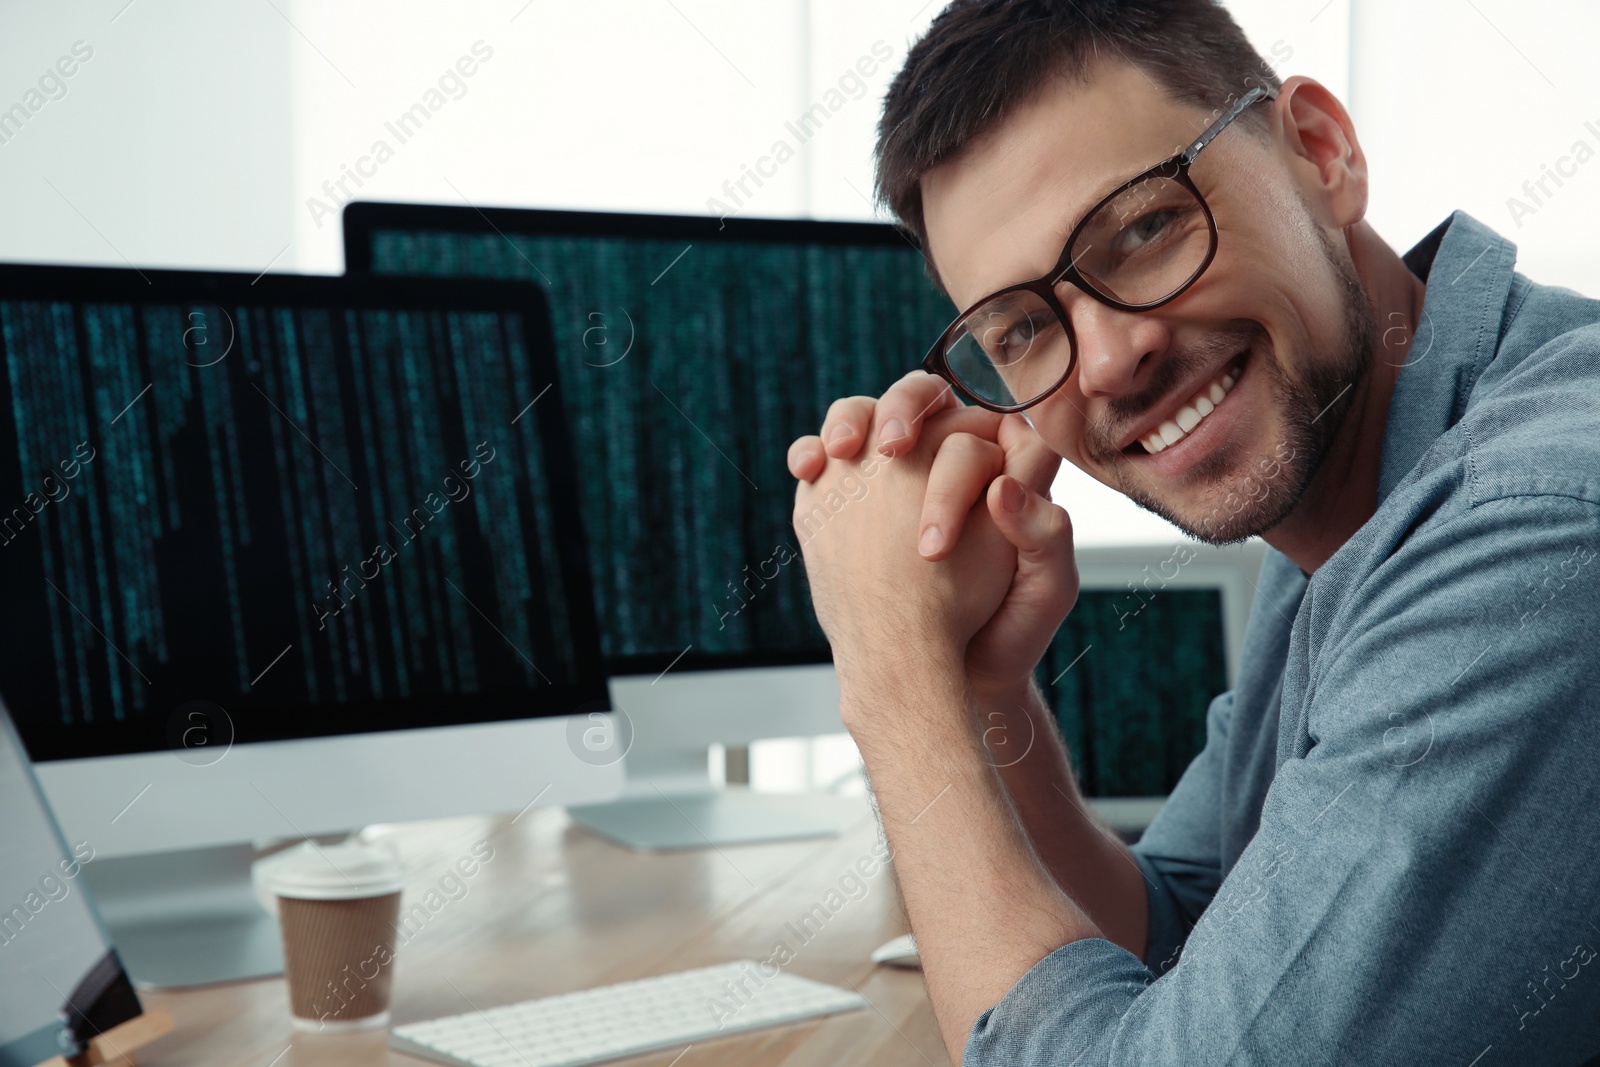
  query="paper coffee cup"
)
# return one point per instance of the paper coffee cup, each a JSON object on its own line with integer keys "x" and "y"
{"x": 337, "y": 908}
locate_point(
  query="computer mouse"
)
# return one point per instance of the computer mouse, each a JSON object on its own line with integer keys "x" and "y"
{"x": 901, "y": 952}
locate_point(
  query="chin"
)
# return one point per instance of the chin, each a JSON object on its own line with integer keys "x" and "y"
{"x": 1246, "y": 466}
{"x": 1238, "y": 492}
{"x": 1241, "y": 516}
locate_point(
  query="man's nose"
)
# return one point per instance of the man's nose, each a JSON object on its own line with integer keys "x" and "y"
{"x": 1114, "y": 347}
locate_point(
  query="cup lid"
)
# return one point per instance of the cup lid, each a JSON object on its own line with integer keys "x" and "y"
{"x": 348, "y": 870}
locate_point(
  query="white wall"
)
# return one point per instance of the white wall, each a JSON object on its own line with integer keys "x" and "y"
{"x": 170, "y": 147}
{"x": 1459, "y": 104}
{"x": 612, "y": 106}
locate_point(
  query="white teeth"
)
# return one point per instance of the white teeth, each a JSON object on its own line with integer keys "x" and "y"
{"x": 1188, "y": 417}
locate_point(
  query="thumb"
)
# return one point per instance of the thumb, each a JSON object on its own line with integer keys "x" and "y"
{"x": 1040, "y": 530}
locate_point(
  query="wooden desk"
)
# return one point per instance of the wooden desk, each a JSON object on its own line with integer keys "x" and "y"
{"x": 559, "y": 909}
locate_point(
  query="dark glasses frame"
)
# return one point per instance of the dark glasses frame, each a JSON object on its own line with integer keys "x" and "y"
{"x": 1174, "y": 168}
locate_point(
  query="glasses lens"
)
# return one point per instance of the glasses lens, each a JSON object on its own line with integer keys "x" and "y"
{"x": 1011, "y": 349}
{"x": 1145, "y": 243}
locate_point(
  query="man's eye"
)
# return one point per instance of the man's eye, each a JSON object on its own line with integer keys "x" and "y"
{"x": 1009, "y": 341}
{"x": 1143, "y": 230}
{"x": 1021, "y": 335}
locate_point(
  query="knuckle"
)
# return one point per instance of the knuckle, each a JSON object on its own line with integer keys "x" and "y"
{"x": 801, "y": 447}
{"x": 954, "y": 442}
{"x": 962, "y": 445}
{"x": 1029, "y": 448}
{"x": 917, "y": 391}
{"x": 844, "y": 407}
{"x": 1058, "y": 524}
{"x": 1050, "y": 526}
{"x": 947, "y": 496}
{"x": 973, "y": 422}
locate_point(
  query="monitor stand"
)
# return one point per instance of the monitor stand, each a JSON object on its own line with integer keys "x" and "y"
{"x": 670, "y": 802}
{"x": 186, "y": 918}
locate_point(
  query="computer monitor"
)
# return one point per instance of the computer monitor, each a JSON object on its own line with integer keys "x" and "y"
{"x": 1156, "y": 634}
{"x": 284, "y": 556}
{"x": 695, "y": 349}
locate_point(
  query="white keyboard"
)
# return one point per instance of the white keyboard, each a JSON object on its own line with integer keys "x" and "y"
{"x": 625, "y": 1019}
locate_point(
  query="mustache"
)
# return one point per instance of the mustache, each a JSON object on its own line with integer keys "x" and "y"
{"x": 1179, "y": 364}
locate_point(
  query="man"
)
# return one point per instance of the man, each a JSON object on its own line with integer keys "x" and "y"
{"x": 1385, "y": 851}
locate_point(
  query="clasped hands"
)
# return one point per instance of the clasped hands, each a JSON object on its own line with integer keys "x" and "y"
{"x": 929, "y": 538}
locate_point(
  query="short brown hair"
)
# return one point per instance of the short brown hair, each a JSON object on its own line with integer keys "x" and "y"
{"x": 981, "y": 59}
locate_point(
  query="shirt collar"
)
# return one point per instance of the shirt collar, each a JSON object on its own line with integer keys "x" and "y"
{"x": 1468, "y": 270}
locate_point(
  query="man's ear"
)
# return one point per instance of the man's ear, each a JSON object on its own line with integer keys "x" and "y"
{"x": 1325, "y": 158}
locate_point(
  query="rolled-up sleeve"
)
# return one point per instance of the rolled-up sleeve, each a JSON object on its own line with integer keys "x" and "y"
{"x": 1422, "y": 885}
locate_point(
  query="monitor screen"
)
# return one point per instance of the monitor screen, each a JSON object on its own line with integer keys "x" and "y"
{"x": 282, "y": 507}
{"x": 1130, "y": 675}
{"x": 694, "y": 350}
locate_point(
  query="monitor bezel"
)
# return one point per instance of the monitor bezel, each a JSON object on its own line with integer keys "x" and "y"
{"x": 361, "y": 218}
{"x": 50, "y": 741}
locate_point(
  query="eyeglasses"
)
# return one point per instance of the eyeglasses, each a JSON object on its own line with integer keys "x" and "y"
{"x": 1135, "y": 250}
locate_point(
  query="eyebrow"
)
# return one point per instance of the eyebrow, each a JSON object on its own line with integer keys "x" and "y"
{"x": 1010, "y": 302}
{"x": 1105, "y": 190}
{"x": 1059, "y": 235}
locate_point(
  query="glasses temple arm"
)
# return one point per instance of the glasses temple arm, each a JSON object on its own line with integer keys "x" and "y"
{"x": 1210, "y": 134}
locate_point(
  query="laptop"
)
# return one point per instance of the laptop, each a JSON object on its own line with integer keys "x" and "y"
{"x": 64, "y": 984}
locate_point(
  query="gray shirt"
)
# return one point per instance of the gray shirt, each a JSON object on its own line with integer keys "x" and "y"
{"x": 1386, "y": 851}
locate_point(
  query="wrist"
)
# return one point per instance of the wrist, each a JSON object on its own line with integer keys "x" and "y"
{"x": 912, "y": 688}
{"x": 897, "y": 658}
{"x": 1011, "y": 717}
{"x": 990, "y": 692}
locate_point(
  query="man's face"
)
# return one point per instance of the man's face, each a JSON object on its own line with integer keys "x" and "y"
{"x": 1272, "y": 336}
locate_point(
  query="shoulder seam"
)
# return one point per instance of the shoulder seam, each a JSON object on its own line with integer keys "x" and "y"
{"x": 1470, "y": 454}
{"x": 1521, "y": 287}
{"x": 1532, "y": 494}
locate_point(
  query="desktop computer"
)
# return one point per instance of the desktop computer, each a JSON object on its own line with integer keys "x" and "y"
{"x": 1155, "y": 635}
{"x": 284, "y": 556}
{"x": 694, "y": 350}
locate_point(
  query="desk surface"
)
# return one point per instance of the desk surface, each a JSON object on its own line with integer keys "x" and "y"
{"x": 559, "y": 909}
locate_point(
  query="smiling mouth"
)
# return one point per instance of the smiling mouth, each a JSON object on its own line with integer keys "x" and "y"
{"x": 1192, "y": 412}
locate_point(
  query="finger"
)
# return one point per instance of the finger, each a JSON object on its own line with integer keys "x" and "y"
{"x": 964, "y": 466}
{"x": 845, "y": 427}
{"x": 904, "y": 406}
{"x": 1040, "y": 530}
{"x": 806, "y": 458}
{"x": 980, "y": 422}
{"x": 1028, "y": 458}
